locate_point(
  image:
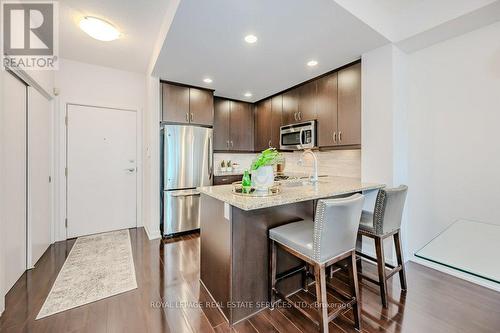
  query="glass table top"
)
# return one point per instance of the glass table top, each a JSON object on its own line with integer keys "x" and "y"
{"x": 468, "y": 246}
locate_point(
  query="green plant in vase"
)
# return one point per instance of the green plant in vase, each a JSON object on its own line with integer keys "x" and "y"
{"x": 262, "y": 169}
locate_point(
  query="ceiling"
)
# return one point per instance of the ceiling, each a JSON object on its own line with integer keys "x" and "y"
{"x": 206, "y": 39}
{"x": 401, "y": 19}
{"x": 139, "y": 22}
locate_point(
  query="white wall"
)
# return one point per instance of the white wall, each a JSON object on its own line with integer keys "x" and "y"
{"x": 151, "y": 194}
{"x": 384, "y": 125}
{"x": 82, "y": 83}
{"x": 454, "y": 150}
{"x": 2, "y": 230}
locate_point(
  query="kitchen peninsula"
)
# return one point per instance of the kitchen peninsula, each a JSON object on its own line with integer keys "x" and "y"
{"x": 234, "y": 244}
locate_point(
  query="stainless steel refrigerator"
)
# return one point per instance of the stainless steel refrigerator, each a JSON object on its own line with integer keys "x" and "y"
{"x": 186, "y": 164}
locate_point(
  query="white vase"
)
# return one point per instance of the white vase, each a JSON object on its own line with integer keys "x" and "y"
{"x": 263, "y": 178}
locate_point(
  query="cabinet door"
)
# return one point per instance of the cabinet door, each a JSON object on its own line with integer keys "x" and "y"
{"x": 201, "y": 106}
{"x": 307, "y": 101}
{"x": 349, "y": 105}
{"x": 263, "y": 117}
{"x": 326, "y": 104}
{"x": 221, "y": 123}
{"x": 241, "y": 126}
{"x": 277, "y": 108}
{"x": 175, "y": 103}
{"x": 290, "y": 107}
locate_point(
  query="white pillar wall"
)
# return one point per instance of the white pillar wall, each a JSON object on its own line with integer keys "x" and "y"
{"x": 384, "y": 124}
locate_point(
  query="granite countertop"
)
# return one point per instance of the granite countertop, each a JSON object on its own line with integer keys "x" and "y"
{"x": 326, "y": 187}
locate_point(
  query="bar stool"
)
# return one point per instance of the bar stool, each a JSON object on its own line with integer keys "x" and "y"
{"x": 331, "y": 237}
{"x": 385, "y": 221}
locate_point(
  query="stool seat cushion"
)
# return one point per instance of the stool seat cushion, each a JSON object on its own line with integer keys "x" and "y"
{"x": 366, "y": 222}
{"x": 297, "y": 236}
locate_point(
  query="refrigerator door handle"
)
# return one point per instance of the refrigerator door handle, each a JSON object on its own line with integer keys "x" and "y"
{"x": 186, "y": 193}
{"x": 210, "y": 167}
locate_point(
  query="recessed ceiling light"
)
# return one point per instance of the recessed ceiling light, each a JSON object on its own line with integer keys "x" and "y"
{"x": 99, "y": 29}
{"x": 250, "y": 39}
{"x": 207, "y": 80}
{"x": 248, "y": 94}
{"x": 312, "y": 63}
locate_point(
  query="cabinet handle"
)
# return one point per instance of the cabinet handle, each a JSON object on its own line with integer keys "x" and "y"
{"x": 334, "y": 137}
{"x": 232, "y": 143}
{"x": 300, "y": 115}
{"x": 295, "y": 116}
{"x": 192, "y": 117}
{"x": 340, "y": 136}
{"x": 270, "y": 144}
{"x": 227, "y": 143}
{"x": 187, "y": 116}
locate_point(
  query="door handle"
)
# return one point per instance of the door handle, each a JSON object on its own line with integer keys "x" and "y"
{"x": 295, "y": 116}
{"x": 185, "y": 194}
{"x": 210, "y": 158}
{"x": 334, "y": 137}
{"x": 300, "y": 115}
{"x": 191, "y": 116}
{"x": 340, "y": 136}
{"x": 130, "y": 169}
{"x": 187, "y": 116}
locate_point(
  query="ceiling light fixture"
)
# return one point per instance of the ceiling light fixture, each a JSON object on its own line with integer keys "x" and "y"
{"x": 250, "y": 39}
{"x": 99, "y": 29}
{"x": 207, "y": 80}
{"x": 248, "y": 94}
{"x": 312, "y": 63}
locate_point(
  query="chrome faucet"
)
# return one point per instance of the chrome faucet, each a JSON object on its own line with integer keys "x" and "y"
{"x": 314, "y": 177}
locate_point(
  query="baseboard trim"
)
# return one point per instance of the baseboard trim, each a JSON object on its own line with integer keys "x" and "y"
{"x": 461, "y": 275}
{"x": 155, "y": 234}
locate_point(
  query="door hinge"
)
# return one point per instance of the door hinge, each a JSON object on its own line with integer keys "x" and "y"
{"x": 66, "y": 171}
{"x": 66, "y": 120}
{"x": 66, "y": 223}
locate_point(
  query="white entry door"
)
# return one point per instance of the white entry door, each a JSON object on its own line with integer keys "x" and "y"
{"x": 101, "y": 162}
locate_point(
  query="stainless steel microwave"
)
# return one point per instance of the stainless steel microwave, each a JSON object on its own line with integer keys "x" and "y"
{"x": 298, "y": 136}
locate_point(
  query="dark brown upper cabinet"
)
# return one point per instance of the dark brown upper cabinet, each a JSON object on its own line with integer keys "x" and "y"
{"x": 222, "y": 110}
{"x": 276, "y": 115}
{"x": 307, "y": 102}
{"x": 201, "y": 106}
{"x": 241, "y": 126}
{"x": 175, "y": 103}
{"x": 263, "y": 119}
{"x": 233, "y": 125}
{"x": 326, "y": 106}
{"x": 349, "y": 105}
{"x": 290, "y": 107}
{"x": 187, "y": 105}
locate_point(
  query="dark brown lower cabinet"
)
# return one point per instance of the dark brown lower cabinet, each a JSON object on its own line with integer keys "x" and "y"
{"x": 229, "y": 179}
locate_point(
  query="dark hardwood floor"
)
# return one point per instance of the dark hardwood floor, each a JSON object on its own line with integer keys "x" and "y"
{"x": 168, "y": 296}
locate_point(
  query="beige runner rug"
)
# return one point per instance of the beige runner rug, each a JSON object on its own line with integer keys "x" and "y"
{"x": 97, "y": 267}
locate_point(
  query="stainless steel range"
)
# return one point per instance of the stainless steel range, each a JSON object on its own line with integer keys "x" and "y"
{"x": 186, "y": 164}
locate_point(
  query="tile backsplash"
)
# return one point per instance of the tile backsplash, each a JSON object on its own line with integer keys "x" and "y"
{"x": 345, "y": 163}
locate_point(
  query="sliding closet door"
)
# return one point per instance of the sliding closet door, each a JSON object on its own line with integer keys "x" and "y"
{"x": 13, "y": 173}
{"x": 39, "y": 167}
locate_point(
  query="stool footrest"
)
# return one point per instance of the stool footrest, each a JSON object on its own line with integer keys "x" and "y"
{"x": 290, "y": 272}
